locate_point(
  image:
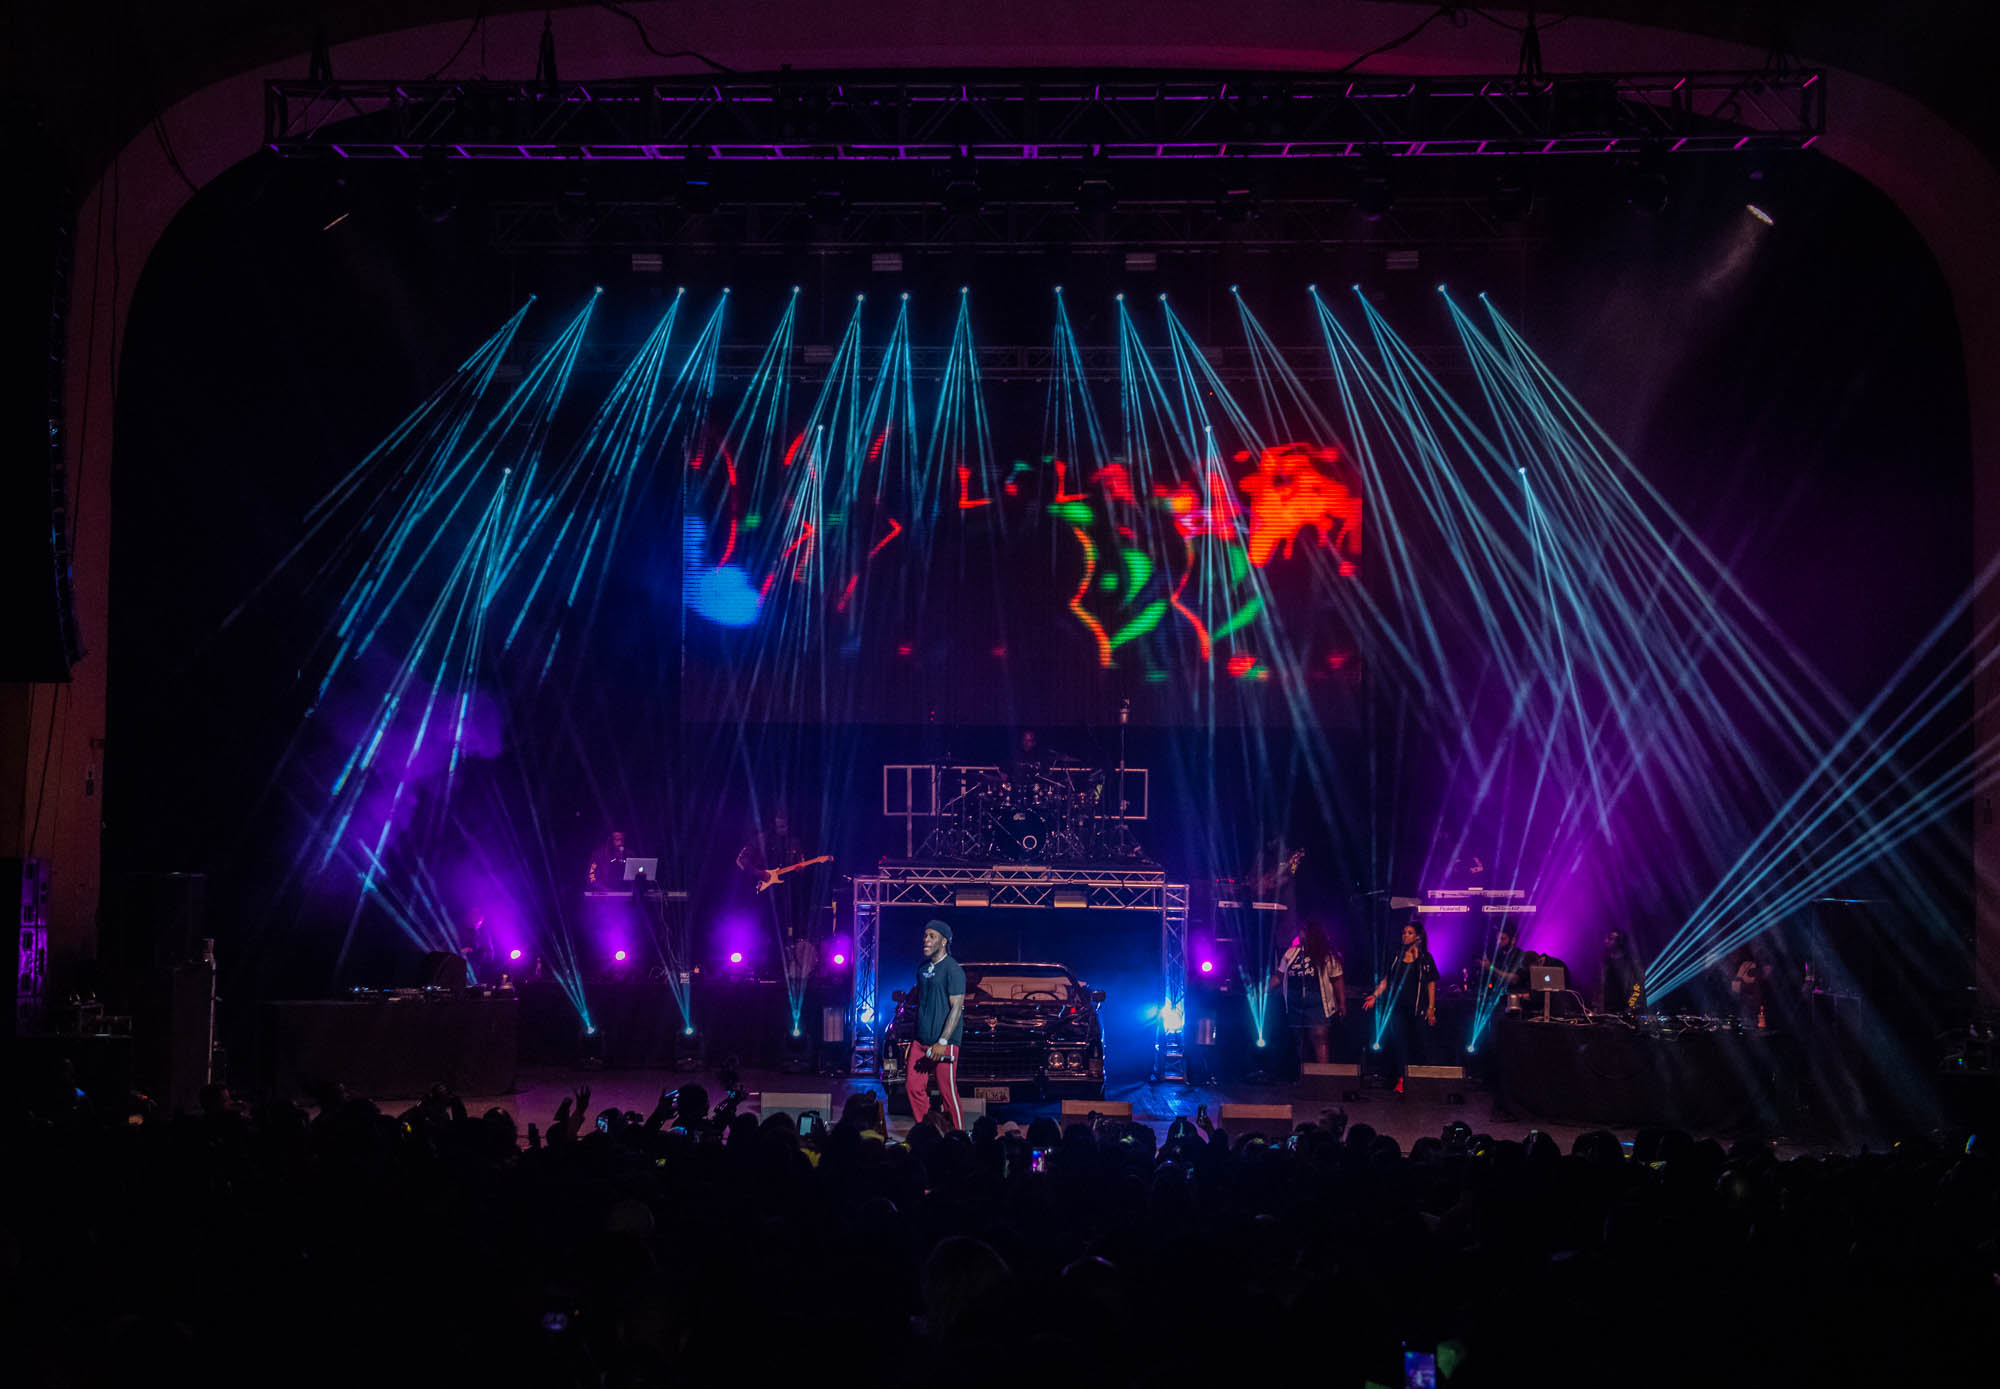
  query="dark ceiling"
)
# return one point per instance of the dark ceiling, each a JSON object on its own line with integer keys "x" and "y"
{"x": 98, "y": 70}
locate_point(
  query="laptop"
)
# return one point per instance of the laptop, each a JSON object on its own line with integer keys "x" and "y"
{"x": 1548, "y": 979}
{"x": 642, "y": 870}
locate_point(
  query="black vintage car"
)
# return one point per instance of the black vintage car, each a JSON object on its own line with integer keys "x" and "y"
{"x": 1031, "y": 1032}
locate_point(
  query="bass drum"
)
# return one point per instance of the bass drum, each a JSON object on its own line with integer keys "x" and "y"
{"x": 1024, "y": 835}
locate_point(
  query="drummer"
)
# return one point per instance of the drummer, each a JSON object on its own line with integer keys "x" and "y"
{"x": 1029, "y": 759}
{"x": 1034, "y": 761}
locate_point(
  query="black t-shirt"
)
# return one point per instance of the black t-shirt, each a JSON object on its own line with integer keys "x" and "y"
{"x": 1407, "y": 979}
{"x": 937, "y": 983}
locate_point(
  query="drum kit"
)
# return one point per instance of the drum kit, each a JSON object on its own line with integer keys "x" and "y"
{"x": 1050, "y": 812}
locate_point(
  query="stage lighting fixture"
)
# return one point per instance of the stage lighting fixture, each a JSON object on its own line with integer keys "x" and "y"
{"x": 840, "y": 959}
{"x": 827, "y": 206}
{"x": 1208, "y": 966}
{"x": 1512, "y": 198}
{"x": 1759, "y": 214}
{"x": 1408, "y": 259}
{"x": 1095, "y": 197}
{"x": 687, "y": 1032}
{"x": 697, "y": 194}
{"x": 961, "y": 188}
{"x": 1070, "y": 898}
{"x": 976, "y": 896}
{"x": 648, "y": 263}
{"x": 886, "y": 262}
{"x": 618, "y": 955}
{"x": 1645, "y": 186}
{"x": 736, "y": 957}
{"x": 1373, "y": 197}
{"x": 435, "y": 202}
{"x": 1142, "y": 260}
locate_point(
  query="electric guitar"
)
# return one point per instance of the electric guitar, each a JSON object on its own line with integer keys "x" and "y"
{"x": 1280, "y": 875}
{"x": 768, "y": 878}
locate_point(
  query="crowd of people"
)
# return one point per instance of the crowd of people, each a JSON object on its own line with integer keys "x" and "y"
{"x": 704, "y": 1244}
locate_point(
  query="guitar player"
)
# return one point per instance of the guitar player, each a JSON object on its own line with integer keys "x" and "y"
{"x": 783, "y": 903}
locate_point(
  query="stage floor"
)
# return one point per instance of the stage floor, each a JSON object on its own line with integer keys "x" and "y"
{"x": 538, "y": 1090}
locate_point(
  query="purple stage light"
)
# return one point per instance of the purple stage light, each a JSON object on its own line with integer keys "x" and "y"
{"x": 736, "y": 957}
{"x": 514, "y": 954}
{"x": 1208, "y": 966}
{"x": 840, "y": 959}
{"x": 617, "y": 954}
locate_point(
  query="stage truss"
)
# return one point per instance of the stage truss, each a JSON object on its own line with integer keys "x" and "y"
{"x": 1028, "y": 887}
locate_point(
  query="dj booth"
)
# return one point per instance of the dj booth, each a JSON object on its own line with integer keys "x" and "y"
{"x": 1612, "y": 1072}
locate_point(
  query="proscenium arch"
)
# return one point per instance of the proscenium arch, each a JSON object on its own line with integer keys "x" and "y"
{"x": 1938, "y": 176}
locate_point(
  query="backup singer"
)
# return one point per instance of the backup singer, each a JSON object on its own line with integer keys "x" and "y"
{"x": 1315, "y": 989}
{"x": 940, "y": 1028}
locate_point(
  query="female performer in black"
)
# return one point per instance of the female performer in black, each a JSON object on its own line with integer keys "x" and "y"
{"x": 1411, "y": 987}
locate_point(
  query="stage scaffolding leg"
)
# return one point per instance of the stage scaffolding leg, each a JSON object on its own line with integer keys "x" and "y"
{"x": 866, "y": 1058}
{"x": 1170, "y": 1063}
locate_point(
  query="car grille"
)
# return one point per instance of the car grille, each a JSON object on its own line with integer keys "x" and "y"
{"x": 987, "y": 1061}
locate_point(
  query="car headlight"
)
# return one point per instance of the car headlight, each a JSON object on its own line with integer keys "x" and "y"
{"x": 1057, "y": 1061}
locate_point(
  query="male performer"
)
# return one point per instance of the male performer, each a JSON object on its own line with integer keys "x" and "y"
{"x": 1622, "y": 986}
{"x": 1506, "y": 971}
{"x": 1274, "y": 873}
{"x": 607, "y": 865}
{"x": 784, "y": 905}
{"x": 940, "y": 1027}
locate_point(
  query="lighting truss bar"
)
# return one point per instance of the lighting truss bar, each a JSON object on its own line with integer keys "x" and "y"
{"x": 1170, "y": 1051}
{"x": 1008, "y": 885}
{"x": 1070, "y": 115}
{"x": 1029, "y": 362}
{"x": 1192, "y": 224}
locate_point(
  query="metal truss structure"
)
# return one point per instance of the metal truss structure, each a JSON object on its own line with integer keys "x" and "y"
{"x": 1203, "y": 220}
{"x": 1059, "y": 115}
{"x": 1032, "y": 362}
{"x": 1098, "y": 887}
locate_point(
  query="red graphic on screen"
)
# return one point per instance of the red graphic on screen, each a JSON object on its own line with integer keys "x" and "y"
{"x": 1294, "y": 488}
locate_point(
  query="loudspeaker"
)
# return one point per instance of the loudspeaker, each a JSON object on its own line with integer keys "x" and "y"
{"x": 1435, "y": 1084}
{"x": 795, "y": 1103}
{"x": 34, "y": 875}
{"x": 1272, "y": 1120}
{"x": 33, "y": 974}
{"x": 1104, "y": 1109}
{"x": 1328, "y": 1080}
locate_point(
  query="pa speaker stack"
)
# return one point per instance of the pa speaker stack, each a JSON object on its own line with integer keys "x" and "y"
{"x": 1435, "y": 1084}
{"x": 31, "y": 981}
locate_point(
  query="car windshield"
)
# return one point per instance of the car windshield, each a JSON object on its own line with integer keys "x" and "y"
{"x": 1011, "y": 982}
